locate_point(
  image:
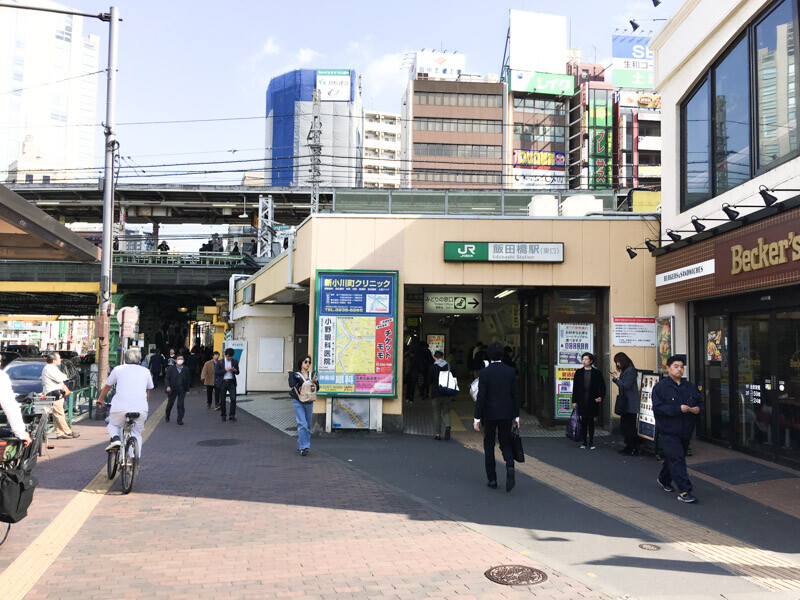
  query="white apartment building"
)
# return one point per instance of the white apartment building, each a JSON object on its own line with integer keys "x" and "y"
{"x": 381, "y": 150}
{"x": 48, "y": 96}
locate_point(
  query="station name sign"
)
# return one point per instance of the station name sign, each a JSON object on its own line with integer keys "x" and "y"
{"x": 543, "y": 252}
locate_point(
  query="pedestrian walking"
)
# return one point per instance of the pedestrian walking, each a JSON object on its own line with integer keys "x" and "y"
{"x": 497, "y": 407}
{"x": 178, "y": 380}
{"x": 676, "y": 404}
{"x": 424, "y": 360}
{"x": 171, "y": 358}
{"x": 588, "y": 391}
{"x": 627, "y": 404}
{"x": 235, "y": 249}
{"x": 210, "y": 380}
{"x": 54, "y": 383}
{"x": 156, "y": 366}
{"x": 163, "y": 246}
{"x": 134, "y": 383}
{"x": 441, "y": 403}
{"x": 303, "y": 384}
{"x": 409, "y": 373}
{"x": 227, "y": 369}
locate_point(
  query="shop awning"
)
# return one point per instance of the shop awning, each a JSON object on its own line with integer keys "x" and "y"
{"x": 28, "y": 233}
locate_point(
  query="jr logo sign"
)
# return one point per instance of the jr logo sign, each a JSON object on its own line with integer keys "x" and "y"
{"x": 468, "y": 251}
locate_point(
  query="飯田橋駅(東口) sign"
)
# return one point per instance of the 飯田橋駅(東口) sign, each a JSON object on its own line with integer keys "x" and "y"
{"x": 547, "y": 252}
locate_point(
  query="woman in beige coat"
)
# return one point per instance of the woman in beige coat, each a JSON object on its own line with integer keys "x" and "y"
{"x": 210, "y": 381}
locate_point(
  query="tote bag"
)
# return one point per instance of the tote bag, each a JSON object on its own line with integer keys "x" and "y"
{"x": 574, "y": 427}
{"x": 448, "y": 385}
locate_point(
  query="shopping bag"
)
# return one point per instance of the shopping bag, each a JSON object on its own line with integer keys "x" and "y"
{"x": 448, "y": 385}
{"x": 473, "y": 389}
{"x": 575, "y": 427}
{"x": 516, "y": 446}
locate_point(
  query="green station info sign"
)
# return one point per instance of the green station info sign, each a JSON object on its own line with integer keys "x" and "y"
{"x": 544, "y": 252}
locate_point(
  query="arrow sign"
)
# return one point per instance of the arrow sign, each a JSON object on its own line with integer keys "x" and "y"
{"x": 449, "y": 303}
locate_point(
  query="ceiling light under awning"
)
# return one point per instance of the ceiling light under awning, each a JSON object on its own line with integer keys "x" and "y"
{"x": 504, "y": 293}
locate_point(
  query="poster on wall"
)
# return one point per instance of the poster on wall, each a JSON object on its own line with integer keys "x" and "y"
{"x": 240, "y": 354}
{"x": 647, "y": 421}
{"x": 633, "y": 331}
{"x": 350, "y": 413}
{"x": 573, "y": 340}
{"x": 564, "y": 376}
{"x": 356, "y": 313}
{"x": 436, "y": 342}
{"x": 664, "y": 329}
{"x": 714, "y": 346}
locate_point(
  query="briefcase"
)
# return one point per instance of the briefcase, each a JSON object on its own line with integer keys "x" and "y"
{"x": 516, "y": 445}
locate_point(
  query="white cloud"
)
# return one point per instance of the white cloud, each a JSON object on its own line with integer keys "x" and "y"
{"x": 307, "y": 55}
{"x": 269, "y": 48}
{"x": 384, "y": 81}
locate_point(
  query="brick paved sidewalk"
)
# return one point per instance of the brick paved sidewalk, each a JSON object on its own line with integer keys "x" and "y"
{"x": 254, "y": 519}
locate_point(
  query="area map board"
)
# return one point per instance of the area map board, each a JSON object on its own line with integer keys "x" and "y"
{"x": 354, "y": 348}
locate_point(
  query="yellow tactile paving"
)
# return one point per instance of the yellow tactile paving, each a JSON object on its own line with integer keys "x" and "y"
{"x": 455, "y": 421}
{"x": 22, "y": 574}
{"x": 760, "y": 566}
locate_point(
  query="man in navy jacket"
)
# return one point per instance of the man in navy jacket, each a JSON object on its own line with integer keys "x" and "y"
{"x": 497, "y": 406}
{"x": 676, "y": 403}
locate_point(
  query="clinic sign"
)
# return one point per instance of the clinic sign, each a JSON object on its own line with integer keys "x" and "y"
{"x": 632, "y": 62}
{"x": 334, "y": 85}
{"x": 543, "y": 252}
{"x": 354, "y": 345}
{"x": 549, "y": 84}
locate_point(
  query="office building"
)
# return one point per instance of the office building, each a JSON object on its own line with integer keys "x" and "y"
{"x": 381, "y": 150}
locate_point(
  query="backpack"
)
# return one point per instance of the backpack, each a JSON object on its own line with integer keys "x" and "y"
{"x": 308, "y": 391}
{"x": 16, "y": 494}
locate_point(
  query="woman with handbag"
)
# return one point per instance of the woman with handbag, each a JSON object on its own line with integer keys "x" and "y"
{"x": 303, "y": 384}
{"x": 588, "y": 391}
{"x": 627, "y": 404}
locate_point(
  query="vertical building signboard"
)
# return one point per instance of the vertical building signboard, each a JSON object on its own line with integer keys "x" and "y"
{"x": 600, "y": 127}
{"x": 573, "y": 340}
{"x": 356, "y": 316}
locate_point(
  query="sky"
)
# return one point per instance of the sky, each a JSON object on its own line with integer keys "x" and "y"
{"x": 203, "y": 61}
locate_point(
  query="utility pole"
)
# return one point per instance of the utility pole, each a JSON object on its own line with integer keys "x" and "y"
{"x": 266, "y": 226}
{"x": 103, "y": 329}
{"x": 315, "y": 143}
{"x": 102, "y": 322}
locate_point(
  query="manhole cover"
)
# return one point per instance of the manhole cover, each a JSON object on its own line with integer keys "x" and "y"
{"x": 651, "y": 547}
{"x": 222, "y": 442}
{"x": 515, "y": 575}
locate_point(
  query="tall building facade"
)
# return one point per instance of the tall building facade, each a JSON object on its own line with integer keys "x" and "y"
{"x": 48, "y": 73}
{"x": 289, "y": 122}
{"x": 381, "y": 150}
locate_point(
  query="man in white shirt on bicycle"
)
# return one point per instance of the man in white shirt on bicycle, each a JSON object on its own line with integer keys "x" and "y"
{"x": 134, "y": 383}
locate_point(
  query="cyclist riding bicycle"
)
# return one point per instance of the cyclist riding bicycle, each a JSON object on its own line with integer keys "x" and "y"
{"x": 134, "y": 383}
{"x": 11, "y": 408}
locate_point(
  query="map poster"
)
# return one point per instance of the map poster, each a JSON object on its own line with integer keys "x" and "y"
{"x": 564, "y": 377}
{"x": 647, "y": 420}
{"x": 356, "y": 313}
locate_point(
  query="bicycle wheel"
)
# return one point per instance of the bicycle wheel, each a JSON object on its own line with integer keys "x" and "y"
{"x": 113, "y": 462}
{"x": 130, "y": 465}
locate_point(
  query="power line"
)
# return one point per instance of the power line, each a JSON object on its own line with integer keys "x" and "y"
{"x": 38, "y": 85}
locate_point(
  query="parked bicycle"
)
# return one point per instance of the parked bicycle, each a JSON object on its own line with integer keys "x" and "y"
{"x": 126, "y": 456}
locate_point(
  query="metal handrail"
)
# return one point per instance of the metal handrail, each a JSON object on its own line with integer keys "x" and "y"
{"x": 189, "y": 259}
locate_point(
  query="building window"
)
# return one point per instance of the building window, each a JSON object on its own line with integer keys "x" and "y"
{"x": 696, "y": 119}
{"x": 28, "y": 178}
{"x": 732, "y": 117}
{"x": 457, "y": 150}
{"x": 775, "y": 82}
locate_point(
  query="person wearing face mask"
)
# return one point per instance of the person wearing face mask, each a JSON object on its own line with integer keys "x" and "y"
{"x": 178, "y": 380}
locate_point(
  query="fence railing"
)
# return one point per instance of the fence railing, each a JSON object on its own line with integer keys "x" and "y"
{"x": 188, "y": 259}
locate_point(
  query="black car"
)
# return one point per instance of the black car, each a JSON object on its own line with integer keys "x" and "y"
{"x": 7, "y": 357}
{"x": 26, "y": 375}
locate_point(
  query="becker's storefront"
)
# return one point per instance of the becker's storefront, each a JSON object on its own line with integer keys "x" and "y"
{"x": 742, "y": 292}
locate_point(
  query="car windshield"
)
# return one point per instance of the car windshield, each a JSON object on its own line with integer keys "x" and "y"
{"x": 25, "y": 371}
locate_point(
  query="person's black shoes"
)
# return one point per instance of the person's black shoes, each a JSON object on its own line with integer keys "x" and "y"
{"x": 492, "y": 483}
{"x": 510, "y": 481}
{"x": 304, "y": 452}
{"x": 232, "y": 418}
{"x": 446, "y": 433}
{"x": 180, "y": 422}
{"x": 224, "y": 419}
{"x": 166, "y": 419}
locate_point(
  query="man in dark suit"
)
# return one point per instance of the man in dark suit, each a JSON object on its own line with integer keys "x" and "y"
{"x": 178, "y": 380}
{"x": 498, "y": 407}
{"x": 227, "y": 369}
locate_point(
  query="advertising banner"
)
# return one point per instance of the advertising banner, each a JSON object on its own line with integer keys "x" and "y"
{"x": 664, "y": 327}
{"x": 436, "y": 342}
{"x": 634, "y": 331}
{"x": 536, "y": 159}
{"x": 356, "y": 312}
{"x": 439, "y": 65}
{"x": 240, "y": 354}
{"x": 551, "y": 84}
{"x": 538, "y": 179}
{"x": 333, "y": 85}
{"x": 564, "y": 377}
{"x": 647, "y": 420}
{"x": 633, "y": 62}
{"x": 629, "y": 99}
{"x": 573, "y": 340}
{"x": 599, "y": 117}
